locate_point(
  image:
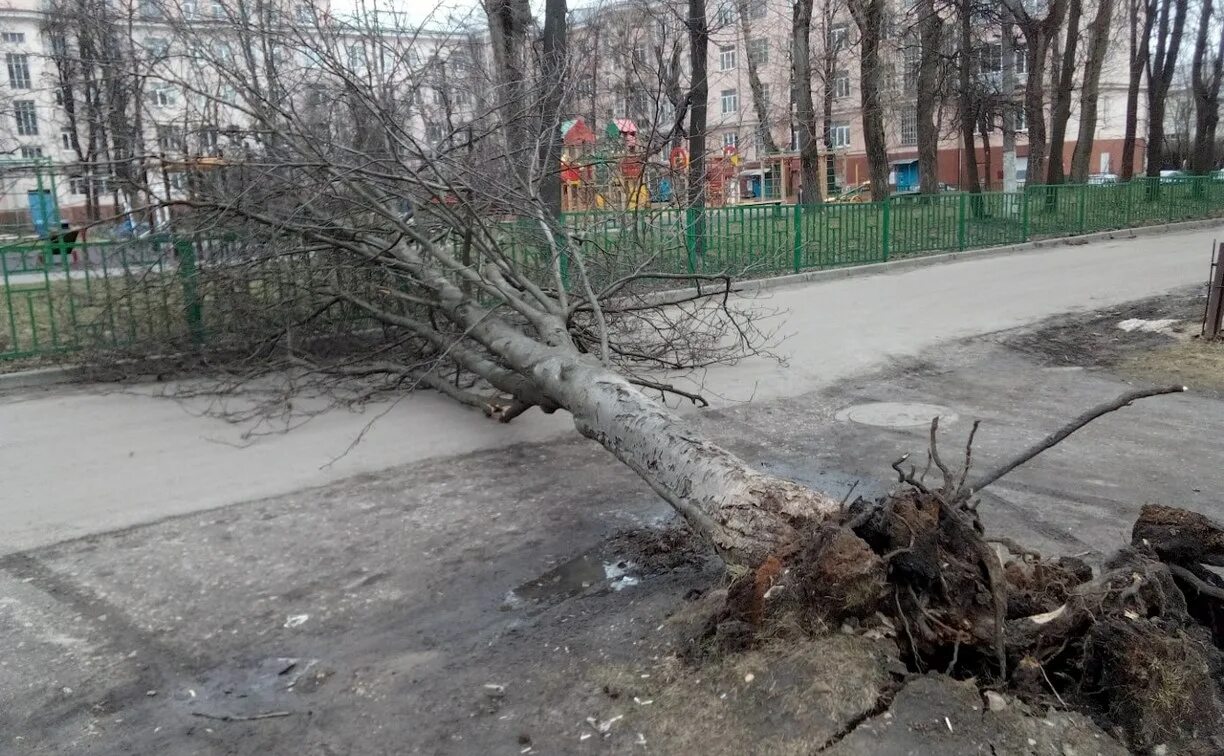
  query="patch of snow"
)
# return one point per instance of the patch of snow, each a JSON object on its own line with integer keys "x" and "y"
{"x": 1164, "y": 325}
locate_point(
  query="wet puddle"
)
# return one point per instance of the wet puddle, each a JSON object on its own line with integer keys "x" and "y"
{"x": 590, "y": 571}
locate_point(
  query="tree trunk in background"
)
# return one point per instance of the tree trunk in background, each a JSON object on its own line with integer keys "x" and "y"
{"x": 987, "y": 167}
{"x": 869, "y": 16}
{"x": 699, "y": 43}
{"x": 1098, "y": 46}
{"x": 1038, "y": 33}
{"x": 509, "y": 28}
{"x": 1007, "y": 51}
{"x": 1140, "y": 45}
{"x": 805, "y": 109}
{"x": 1161, "y": 66}
{"x": 829, "y": 14}
{"x": 1064, "y": 88}
{"x": 967, "y": 101}
{"x": 931, "y": 39}
{"x": 754, "y": 82}
{"x": 553, "y": 72}
{"x": 1205, "y": 83}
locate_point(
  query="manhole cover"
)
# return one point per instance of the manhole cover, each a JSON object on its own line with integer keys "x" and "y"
{"x": 896, "y": 414}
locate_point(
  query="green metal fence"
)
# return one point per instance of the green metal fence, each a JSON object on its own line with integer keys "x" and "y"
{"x": 62, "y": 297}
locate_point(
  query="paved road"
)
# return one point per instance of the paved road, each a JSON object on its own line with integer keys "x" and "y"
{"x": 79, "y": 461}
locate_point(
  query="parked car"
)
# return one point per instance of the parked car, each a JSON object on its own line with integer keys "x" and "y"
{"x": 1100, "y": 179}
{"x": 1169, "y": 177}
{"x": 853, "y": 195}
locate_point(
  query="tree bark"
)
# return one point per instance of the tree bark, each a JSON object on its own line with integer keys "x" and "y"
{"x": 1063, "y": 91}
{"x": 553, "y": 72}
{"x": 1140, "y": 48}
{"x": 1205, "y": 83}
{"x": 829, "y": 15}
{"x": 509, "y": 23}
{"x": 1170, "y": 25}
{"x": 1038, "y": 33}
{"x": 968, "y": 114}
{"x": 869, "y": 16}
{"x": 1007, "y": 51}
{"x": 699, "y": 43}
{"x": 931, "y": 40}
{"x": 1098, "y": 46}
{"x": 754, "y": 83}
{"x": 805, "y": 109}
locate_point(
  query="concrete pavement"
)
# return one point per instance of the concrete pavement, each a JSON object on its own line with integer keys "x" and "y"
{"x": 79, "y": 461}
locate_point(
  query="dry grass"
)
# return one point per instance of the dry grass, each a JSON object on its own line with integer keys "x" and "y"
{"x": 1195, "y": 363}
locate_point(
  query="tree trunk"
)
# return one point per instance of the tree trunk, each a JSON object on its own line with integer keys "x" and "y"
{"x": 828, "y": 12}
{"x": 987, "y": 167}
{"x": 1037, "y": 35}
{"x": 968, "y": 115}
{"x": 1098, "y": 45}
{"x": 1064, "y": 89}
{"x": 931, "y": 39}
{"x": 553, "y": 68}
{"x": 1007, "y": 50}
{"x": 1140, "y": 45}
{"x": 509, "y": 22}
{"x": 699, "y": 43}
{"x": 805, "y": 109}
{"x": 754, "y": 82}
{"x": 869, "y": 16}
{"x": 1205, "y": 83}
{"x": 1171, "y": 24}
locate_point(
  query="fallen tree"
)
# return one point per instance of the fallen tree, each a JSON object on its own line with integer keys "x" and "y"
{"x": 373, "y": 255}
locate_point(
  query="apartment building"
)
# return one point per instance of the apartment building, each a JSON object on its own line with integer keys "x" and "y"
{"x": 622, "y": 42}
{"x": 188, "y": 73}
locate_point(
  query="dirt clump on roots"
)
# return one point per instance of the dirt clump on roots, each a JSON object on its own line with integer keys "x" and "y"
{"x": 1137, "y": 647}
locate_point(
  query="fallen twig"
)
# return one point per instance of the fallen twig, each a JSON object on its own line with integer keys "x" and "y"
{"x": 1055, "y": 438}
{"x": 241, "y": 717}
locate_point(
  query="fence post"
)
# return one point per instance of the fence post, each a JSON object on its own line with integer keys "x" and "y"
{"x": 798, "y": 237}
{"x": 189, "y": 274}
{"x": 886, "y": 234}
{"x": 960, "y": 222}
{"x": 1083, "y": 209}
{"x": 1024, "y": 216}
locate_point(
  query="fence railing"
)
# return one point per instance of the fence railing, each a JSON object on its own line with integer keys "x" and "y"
{"x": 60, "y": 297}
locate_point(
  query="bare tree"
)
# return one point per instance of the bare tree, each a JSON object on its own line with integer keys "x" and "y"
{"x": 759, "y": 102}
{"x": 1141, "y": 15}
{"x": 1064, "y": 89}
{"x": 1170, "y": 24}
{"x": 1206, "y": 71}
{"x": 1007, "y": 94}
{"x": 869, "y": 17}
{"x": 968, "y": 95}
{"x": 805, "y": 108}
{"x": 930, "y": 60}
{"x": 1038, "y": 33}
{"x": 1098, "y": 47}
{"x": 699, "y": 90}
{"x": 554, "y": 68}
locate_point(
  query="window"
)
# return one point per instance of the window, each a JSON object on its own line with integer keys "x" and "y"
{"x": 841, "y": 85}
{"x": 839, "y": 135}
{"x": 14, "y": 38}
{"x": 83, "y": 184}
{"x": 217, "y": 9}
{"x": 303, "y": 13}
{"x": 170, "y": 138}
{"x": 637, "y": 105}
{"x": 162, "y": 97}
{"x": 177, "y": 181}
{"x": 210, "y": 140}
{"x": 758, "y": 52}
{"x": 730, "y": 139}
{"x": 157, "y": 47}
{"x": 190, "y": 8}
{"x": 910, "y": 67}
{"x": 26, "y": 117}
{"x": 730, "y": 101}
{"x": 839, "y": 35}
{"x": 765, "y": 98}
{"x": 1103, "y": 111}
{"x": 356, "y": 56}
{"x": 18, "y": 70}
{"x": 31, "y": 153}
{"x": 434, "y": 132}
{"x": 992, "y": 58}
{"x": 225, "y": 53}
{"x": 909, "y": 128}
{"x": 756, "y": 9}
{"x": 150, "y": 9}
{"x": 726, "y": 13}
{"x": 66, "y": 138}
{"x": 1021, "y": 61}
{"x": 726, "y": 57}
{"x": 585, "y": 87}
{"x": 1021, "y": 118}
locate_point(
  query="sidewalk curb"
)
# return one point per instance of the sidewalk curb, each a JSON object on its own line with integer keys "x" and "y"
{"x": 51, "y": 376}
